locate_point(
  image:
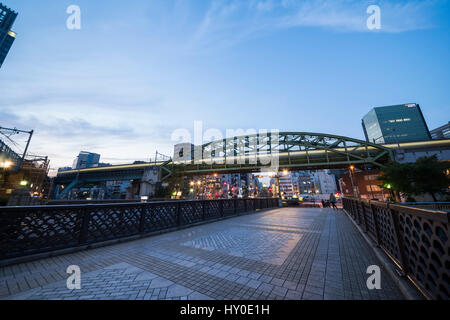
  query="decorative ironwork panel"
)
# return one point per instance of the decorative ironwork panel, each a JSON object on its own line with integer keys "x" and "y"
{"x": 250, "y": 204}
{"x": 387, "y": 240}
{"x": 258, "y": 204}
{"x": 192, "y": 212}
{"x": 228, "y": 207}
{"x": 106, "y": 223}
{"x": 427, "y": 251}
{"x": 30, "y": 230}
{"x": 240, "y": 205}
{"x": 212, "y": 209}
{"x": 418, "y": 240}
{"x": 369, "y": 220}
{"x": 274, "y": 202}
{"x": 161, "y": 216}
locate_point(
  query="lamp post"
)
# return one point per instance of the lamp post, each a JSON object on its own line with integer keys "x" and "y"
{"x": 352, "y": 167}
{"x": 277, "y": 179}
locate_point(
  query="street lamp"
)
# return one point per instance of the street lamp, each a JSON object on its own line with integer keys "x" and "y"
{"x": 352, "y": 168}
{"x": 6, "y": 164}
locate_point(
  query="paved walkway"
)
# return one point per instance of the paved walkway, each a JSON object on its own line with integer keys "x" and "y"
{"x": 286, "y": 253}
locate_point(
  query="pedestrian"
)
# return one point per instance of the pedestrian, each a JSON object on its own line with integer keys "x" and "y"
{"x": 333, "y": 201}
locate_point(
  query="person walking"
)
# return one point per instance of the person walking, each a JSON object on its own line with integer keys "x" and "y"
{"x": 333, "y": 201}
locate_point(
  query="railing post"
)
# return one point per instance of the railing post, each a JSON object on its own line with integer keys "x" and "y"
{"x": 245, "y": 206}
{"x": 142, "y": 219}
{"x": 204, "y": 210}
{"x": 375, "y": 223}
{"x": 398, "y": 240}
{"x": 84, "y": 227}
{"x": 235, "y": 203}
{"x": 178, "y": 213}
{"x": 221, "y": 207}
{"x": 363, "y": 209}
{"x": 358, "y": 212}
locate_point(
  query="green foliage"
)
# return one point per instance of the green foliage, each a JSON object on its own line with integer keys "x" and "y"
{"x": 426, "y": 175}
{"x": 3, "y": 201}
{"x": 161, "y": 192}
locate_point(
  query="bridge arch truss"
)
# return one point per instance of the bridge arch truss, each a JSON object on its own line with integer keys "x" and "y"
{"x": 299, "y": 150}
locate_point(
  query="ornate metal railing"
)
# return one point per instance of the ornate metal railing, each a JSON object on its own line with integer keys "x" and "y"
{"x": 441, "y": 206}
{"x": 30, "y": 230}
{"x": 416, "y": 239}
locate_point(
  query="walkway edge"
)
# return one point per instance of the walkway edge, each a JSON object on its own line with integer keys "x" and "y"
{"x": 405, "y": 286}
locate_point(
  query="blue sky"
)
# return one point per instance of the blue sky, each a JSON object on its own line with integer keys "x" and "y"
{"x": 138, "y": 70}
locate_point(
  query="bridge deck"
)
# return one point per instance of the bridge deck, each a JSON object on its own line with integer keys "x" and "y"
{"x": 286, "y": 253}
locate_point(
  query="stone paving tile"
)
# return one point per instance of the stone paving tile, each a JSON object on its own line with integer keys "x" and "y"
{"x": 288, "y": 253}
{"x": 129, "y": 283}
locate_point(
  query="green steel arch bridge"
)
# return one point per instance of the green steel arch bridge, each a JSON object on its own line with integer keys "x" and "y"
{"x": 296, "y": 150}
{"x": 247, "y": 153}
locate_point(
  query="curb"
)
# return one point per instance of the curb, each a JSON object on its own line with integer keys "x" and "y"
{"x": 405, "y": 286}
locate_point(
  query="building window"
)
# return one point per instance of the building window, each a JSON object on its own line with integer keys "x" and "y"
{"x": 373, "y": 188}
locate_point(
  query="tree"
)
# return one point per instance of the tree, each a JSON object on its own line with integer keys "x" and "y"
{"x": 426, "y": 175}
{"x": 430, "y": 176}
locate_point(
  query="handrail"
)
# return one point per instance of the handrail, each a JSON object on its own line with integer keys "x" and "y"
{"x": 416, "y": 239}
{"x": 37, "y": 229}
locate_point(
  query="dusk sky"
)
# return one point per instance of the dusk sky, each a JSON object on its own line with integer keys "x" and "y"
{"x": 138, "y": 70}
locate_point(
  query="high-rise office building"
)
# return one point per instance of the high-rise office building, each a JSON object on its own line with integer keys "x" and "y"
{"x": 324, "y": 182}
{"x": 442, "y": 132}
{"x": 289, "y": 184}
{"x": 7, "y": 36}
{"x": 395, "y": 124}
{"x": 306, "y": 182}
{"x": 86, "y": 160}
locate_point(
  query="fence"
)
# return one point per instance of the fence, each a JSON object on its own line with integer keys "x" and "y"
{"x": 416, "y": 239}
{"x": 441, "y": 206}
{"x": 30, "y": 230}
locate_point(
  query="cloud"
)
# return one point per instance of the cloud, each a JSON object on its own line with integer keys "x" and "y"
{"x": 348, "y": 16}
{"x": 227, "y": 23}
{"x": 266, "y": 5}
{"x": 61, "y": 139}
{"x": 120, "y": 124}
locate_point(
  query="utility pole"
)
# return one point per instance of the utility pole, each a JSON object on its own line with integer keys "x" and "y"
{"x": 30, "y": 134}
{"x": 277, "y": 179}
{"x": 400, "y": 155}
{"x": 26, "y": 147}
{"x": 351, "y": 180}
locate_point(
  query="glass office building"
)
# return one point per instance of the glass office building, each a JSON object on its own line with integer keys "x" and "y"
{"x": 7, "y": 37}
{"x": 395, "y": 124}
{"x": 442, "y": 132}
{"x": 86, "y": 160}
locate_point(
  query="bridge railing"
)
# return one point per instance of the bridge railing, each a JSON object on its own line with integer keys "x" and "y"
{"x": 440, "y": 206}
{"x": 31, "y": 230}
{"x": 415, "y": 239}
